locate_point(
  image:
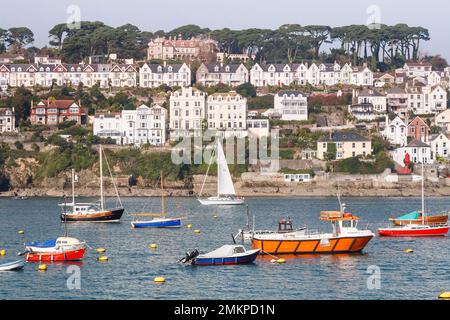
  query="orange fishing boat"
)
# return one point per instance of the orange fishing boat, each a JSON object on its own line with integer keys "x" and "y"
{"x": 345, "y": 238}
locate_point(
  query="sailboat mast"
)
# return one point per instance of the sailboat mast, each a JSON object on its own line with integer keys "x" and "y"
{"x": 102, "y": 201}
{"x": 218, "y": 168}
{"x": 423, "y": 197}
{"x": 73, "y": 186}
{"x": 162, "y": 194}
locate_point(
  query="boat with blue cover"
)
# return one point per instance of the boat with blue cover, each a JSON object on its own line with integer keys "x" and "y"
{"x": 225, "y": 255}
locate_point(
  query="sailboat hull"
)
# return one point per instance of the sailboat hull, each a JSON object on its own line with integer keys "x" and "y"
{"x": 112, "y": 215}
{"x": 157, "y": 223}
{"x": 221, "y": 201}
{"x": 413, "y": 232}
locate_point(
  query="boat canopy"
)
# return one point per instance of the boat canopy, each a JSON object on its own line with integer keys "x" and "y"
{"x": 225, "y": 251}
{"x": 409, "y": 216}
{"x": 42, "y": 244}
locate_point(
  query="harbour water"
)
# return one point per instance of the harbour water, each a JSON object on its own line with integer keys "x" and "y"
{"x": 132, "y": 264}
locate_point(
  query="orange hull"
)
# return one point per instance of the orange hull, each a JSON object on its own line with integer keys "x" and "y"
{"x": 311, "y": 246}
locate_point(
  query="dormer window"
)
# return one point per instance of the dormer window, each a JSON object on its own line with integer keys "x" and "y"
{"x": 170, "y": 69}
{"x": 19, "y": 69}
{"x": 159, "y": 68}
{"x": 216, "y": 68}
{"x": 227, "y": 69}
{"x": 41, "y": 69}
{"x": 47, "y": 69}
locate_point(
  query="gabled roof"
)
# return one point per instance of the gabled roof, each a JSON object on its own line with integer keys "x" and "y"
{"x": 158, "y": 68}
{"x": 221, "y": 68}
{"x": 290, "y": 92}
{"x": 370, "y": 93}
{"x": 419, "y": 118}
{"x": 418, "y": 144}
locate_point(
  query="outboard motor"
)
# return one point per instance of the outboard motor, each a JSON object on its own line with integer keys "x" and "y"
{"x": 190, "y": 255}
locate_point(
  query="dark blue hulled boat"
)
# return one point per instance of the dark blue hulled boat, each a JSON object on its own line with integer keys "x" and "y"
{"x": 225, "y": 255}
{"x": 157, "y": 223}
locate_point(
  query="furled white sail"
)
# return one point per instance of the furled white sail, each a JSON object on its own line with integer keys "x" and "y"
{"x": 224, "y": 182}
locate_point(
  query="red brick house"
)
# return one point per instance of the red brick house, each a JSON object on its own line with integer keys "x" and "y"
{"x": 52, "y": 112}
{"x": 418, "y": 130}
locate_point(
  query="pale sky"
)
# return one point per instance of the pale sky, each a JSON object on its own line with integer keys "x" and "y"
{"x": 152, "y": 15}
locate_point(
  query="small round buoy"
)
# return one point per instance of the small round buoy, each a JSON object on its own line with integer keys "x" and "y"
{"x": 153, "y": 246}
{"x": 189, "y": 226}
{"x": 42, "y": 267}
{"x": 281, "y": 260}
{"x": 2, "y": 252}
{"x": 101, "y": 250}
{"x": 215, "y": 216}
{"x": 409, "y": 250}
{"x": 103, "y": 258}
{"x": 159, "y": 279}
{"x": 197, "y": 231}
{"x": 445, "y": 295}
{"x": 20, "y": 232}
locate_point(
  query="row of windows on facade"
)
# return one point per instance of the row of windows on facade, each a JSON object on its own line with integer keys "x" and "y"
{"x": 340, "y": 145}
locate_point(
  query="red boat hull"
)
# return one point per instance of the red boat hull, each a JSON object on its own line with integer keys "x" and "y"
{"x": 398, "y": 232}
{"x": 73, "y": 255}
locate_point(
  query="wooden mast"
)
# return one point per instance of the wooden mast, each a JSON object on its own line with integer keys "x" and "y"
{"x": 101, "y": 178}
{"x": 162, "y": 193}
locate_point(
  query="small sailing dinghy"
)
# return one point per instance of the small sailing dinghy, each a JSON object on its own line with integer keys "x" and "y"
{"x": 225, "y": 255}
{"x": 92, "y": 212}
{"x": 12, "y": 266}
{"x": 226, "y": 194}
{"x": 416, "y": 230}
{"x": 159, "y": 219}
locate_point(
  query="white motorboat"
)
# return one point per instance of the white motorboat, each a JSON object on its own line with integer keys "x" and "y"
{"x": 12, "y": 266}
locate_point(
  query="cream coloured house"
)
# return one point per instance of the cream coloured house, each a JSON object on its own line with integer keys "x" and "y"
{"x": 442, "y": 120}
{"x": 347, "y": 145}
{"x": 7, "y": 120}
{"x": 153, "y": 75}
{"x": 291, "y": 105}
{"x": 187, "y": 112}
{"x": 227, "y": 112}
{"x": 440, "y": 146}
{"x": 211, "y": 74}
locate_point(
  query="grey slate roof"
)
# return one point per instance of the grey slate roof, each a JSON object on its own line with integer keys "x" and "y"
{"x": 344, "y": 137}
{"x": 419, "y": 144}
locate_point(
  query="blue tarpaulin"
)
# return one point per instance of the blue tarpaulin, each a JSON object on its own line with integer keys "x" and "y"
{"x": 42, "y": 244}
{"x": 409, "y": 216}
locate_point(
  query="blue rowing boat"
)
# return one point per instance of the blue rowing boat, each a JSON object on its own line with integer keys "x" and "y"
{"x": 157, "y": 223}
{"x": 225, "y": 255}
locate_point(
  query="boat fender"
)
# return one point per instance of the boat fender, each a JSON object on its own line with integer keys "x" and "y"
{"x": 42, "y": 267}
{"x": 445, "y": 295}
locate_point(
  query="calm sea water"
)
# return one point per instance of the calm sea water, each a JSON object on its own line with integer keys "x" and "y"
{"x": 132, "y": 265}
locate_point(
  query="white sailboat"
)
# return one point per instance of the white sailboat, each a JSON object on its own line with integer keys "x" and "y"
{"x": 226, "y": 194}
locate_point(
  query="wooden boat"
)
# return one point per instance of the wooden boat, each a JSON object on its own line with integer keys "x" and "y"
{"x": 159, "y": 219}
{"x": 70, "y": 255}
{"x": 416, "y": 230}
{"x": 226, "y": 194}
{"x": 416, "y": 218}
{"x": 225, "y": 255}
{"x": 12, "y": 266}
{"x": 92, "y": 212}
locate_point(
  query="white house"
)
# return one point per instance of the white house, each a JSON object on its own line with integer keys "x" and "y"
{"x": 434, "y": 79}
{"x": 227, "y": 112}
{"x": 291, "y": 105}
{"x": 362, "y": 76}
{"x": 418, "y": 151}
{"x": 258, "y": 127}
{"x": 414, "y": 69}
{"x": 395, "y": 131}
{"x": 7, "y": 120}
{"x": 397, "y": 101}
{"x": 153, "y": 75}
{"x": 442, "y": 120}
{"x": 440, "y": 146}
{"x": 215, "y": 73}
{"x": 187, "y": 112}
{"x": 425, "y": 99}
{"x": 144, "y": 125}
{"x": 375, "y": 98}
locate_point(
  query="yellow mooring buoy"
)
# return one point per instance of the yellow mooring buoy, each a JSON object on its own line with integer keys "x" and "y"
{"x": 197, "y": 231}
{"x": 103, "y": 258}
{"x": 189, "y": 226}
{"x": 2, "y": 252}
{"x": 42, "y": 267}
{"x": 159, "y": 279}
{"x": 445, "y": 295}
{"x": 153, "y": 246}
{"x": 101, "y": 250}
{"x": 20, "y": 232}
{"x": 409, "y": 250}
